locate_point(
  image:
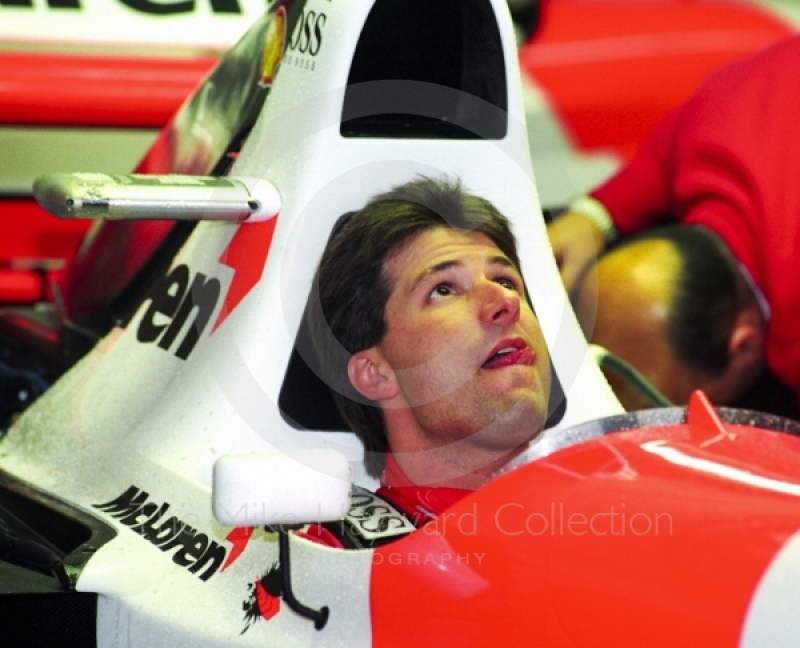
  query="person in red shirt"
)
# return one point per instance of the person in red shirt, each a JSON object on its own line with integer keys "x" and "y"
{"x": 728, "y": 160}
{"x": 427, "y": 340}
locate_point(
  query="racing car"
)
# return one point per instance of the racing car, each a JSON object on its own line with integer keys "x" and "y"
{"x": 145, "y": 497}
{"x": 596, "y": 77}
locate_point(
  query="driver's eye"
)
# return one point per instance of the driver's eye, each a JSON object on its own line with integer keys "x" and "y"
{"x": 441, "y": 290}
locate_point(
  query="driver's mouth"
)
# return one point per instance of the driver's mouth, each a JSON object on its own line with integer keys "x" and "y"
{"x": 508, "y": 353}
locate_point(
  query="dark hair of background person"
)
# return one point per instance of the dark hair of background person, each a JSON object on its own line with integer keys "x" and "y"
{"x": 353, "y": 288}
{"x": 710, "y": 292}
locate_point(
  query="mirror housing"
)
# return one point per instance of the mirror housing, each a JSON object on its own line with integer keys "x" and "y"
{"x": 277, "y": 488}
{"x": 162, "y": 197}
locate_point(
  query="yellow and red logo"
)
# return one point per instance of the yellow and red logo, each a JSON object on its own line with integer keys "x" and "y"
{"x": 274, "y": 43}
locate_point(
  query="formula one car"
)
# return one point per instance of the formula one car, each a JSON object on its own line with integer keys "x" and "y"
{"x": 596, "y": 75}
{"x": 135, "y": 490}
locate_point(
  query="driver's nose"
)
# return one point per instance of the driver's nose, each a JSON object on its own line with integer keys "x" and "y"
{"x": 500, "y": 306}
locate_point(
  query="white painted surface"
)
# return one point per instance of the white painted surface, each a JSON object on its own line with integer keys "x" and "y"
{"x": 258, "y": 488}
{"x": 772, "y": 618}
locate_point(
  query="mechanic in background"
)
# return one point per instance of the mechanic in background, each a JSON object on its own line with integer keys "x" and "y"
{"x": 692, "y": 321}
{"x": 728, "y": 160}
{"x": 434, "y": 355}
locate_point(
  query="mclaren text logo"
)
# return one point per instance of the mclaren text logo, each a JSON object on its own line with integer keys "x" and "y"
{"x": 142, "y": 6}
{"x": 172, "y": 303}
{"x": 193, "y": 550}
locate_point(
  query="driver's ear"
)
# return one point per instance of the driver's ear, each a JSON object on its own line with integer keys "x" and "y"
{"x": 372, "y": 376}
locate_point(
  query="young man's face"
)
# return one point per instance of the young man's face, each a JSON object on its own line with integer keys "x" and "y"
{"x": 463, "y": 343}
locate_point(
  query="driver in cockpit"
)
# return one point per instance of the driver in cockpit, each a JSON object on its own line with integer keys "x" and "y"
{"x": 434, "y": 355}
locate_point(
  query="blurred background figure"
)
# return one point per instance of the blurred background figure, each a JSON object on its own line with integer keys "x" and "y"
{"x": 728, "y": 161}
{"x": 673, "y": 302}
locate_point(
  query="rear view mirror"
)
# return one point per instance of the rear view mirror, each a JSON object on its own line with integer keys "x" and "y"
{"x": 281, "y": 488}
{"x": 170, "y": 197}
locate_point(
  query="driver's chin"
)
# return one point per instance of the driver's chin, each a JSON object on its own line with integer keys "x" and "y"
{"x": 520, "y": 424}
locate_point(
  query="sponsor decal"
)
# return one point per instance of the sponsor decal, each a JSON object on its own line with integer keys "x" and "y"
{"x": 205, "y": 25}
{"x": 143, "y": 6}
{"x": 373, "y": 519}
{"x": 192, "y": 550}
{"x": 173, "y": 299}
{"x": 264, "y": 600}
{"x": 306, "y": 40}
{"x": 239, "y": 538}
{"x": 274, "y": 44}
{"x": 246, "y": 255}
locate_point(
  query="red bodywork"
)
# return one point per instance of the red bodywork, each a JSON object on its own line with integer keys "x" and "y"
{"x": 615, "y": 68}
{"x": 53, "y": 89}
{"x": 656, "y": 536}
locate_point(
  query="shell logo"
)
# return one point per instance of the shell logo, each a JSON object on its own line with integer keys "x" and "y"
{"x": 274, "y": 43}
